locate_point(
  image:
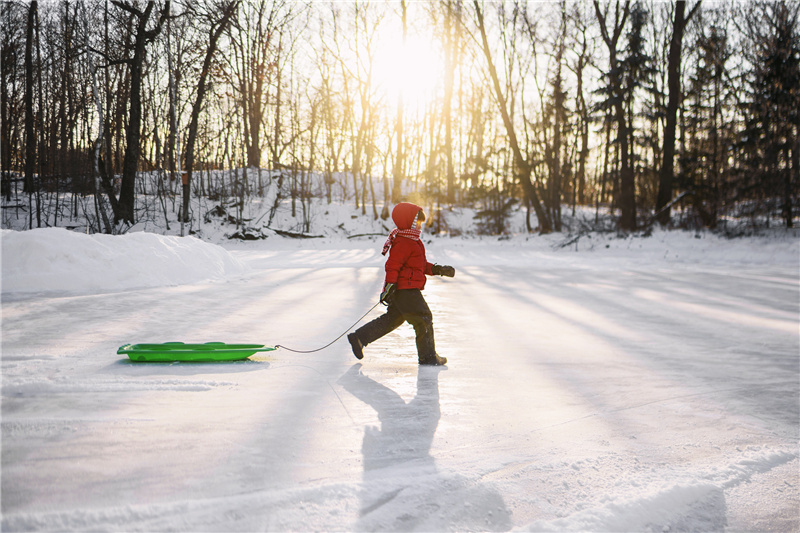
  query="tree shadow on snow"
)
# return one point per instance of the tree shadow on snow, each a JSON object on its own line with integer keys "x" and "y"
{"x": 402, "y": 489}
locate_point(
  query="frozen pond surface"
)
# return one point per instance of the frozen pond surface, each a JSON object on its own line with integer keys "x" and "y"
{"x": 584, "y": 391}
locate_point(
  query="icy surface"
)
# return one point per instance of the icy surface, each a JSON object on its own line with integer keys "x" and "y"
{"x": 640, "y": 384}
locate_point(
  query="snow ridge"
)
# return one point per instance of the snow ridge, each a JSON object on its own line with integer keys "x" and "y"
{"x": 694, "y": 505}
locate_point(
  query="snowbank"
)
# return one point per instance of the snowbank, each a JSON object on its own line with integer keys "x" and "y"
{"x": 696, "y": 504}
{"x": 698, "y": 507}
{"x": 55, "y": 259}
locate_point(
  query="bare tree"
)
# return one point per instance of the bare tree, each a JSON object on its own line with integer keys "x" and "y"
{"x": 398, "y": 171}
{"x": 30, "y": 134}
{"x": 252, "y": 69}
{"x": 617, "y": 97}
{"x": 452, "y": 35}
{"x": 141, "y": 38}
{"x": 521, "y": 164}
{"x": 98, "y": 143}
{"x": 666, "y": 174}
{"x": 217, "y": 22}
{"x": 583, "y": 50}
{"x": 361, "y": 101}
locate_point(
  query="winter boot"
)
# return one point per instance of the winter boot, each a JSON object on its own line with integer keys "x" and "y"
{"x": 355, "y": 343}
{"x": 433, "y": 360}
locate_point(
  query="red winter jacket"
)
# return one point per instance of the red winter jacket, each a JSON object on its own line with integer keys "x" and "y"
{"x": 407, "y": 265}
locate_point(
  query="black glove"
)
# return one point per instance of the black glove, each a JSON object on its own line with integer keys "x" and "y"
{"x": 388, "y": 292}
{"x": 443, "y": 270}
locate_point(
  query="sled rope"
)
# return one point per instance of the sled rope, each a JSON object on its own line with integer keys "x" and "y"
{"x": 334, "y": 340}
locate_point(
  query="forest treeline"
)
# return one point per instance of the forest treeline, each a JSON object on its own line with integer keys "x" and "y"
{"x": 681, "y": 113}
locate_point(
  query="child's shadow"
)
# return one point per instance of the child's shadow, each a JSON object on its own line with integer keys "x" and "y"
{"x": 407, "y": 429}
{"x": 402, "y": 489}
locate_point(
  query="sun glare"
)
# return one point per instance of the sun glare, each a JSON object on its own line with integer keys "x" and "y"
{"x": 413, "y": 68}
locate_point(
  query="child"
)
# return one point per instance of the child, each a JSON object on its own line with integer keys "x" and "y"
{"x": 406, "y": 269}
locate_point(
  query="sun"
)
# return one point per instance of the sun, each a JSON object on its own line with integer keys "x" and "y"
{"x": 412, "y": 67}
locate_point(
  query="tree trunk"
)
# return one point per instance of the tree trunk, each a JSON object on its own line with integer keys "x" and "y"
{"x": 627, "y": 183}
{"x": 399, "y": 161}
{"x": 227, "y": 12}
{"x": 667, "y": 173}
{"x": 794, "y": 177}
{"x": 98, "y": 142}
{"x": 277, "y": 125}
{"x": 450, "y": 54}
{"x": 30, "y": 135}
{"x": 253, "y": 51}
{"x": 559, "y": 112}
{"x": 523, "y": 169}
{"x": 130, "y": 163}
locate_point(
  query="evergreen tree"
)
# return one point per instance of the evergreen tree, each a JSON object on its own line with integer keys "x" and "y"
{"x": 772, "y": 118}
{"x": 711, "y": 134}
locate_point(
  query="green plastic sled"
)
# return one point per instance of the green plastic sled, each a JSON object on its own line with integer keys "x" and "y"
{"x": 197, "y": 353}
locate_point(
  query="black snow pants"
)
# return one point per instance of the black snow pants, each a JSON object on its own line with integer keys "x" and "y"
{"x": 406, "y": 305}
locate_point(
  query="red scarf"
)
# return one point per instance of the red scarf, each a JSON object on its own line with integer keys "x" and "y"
{"x": 413, "y": 234}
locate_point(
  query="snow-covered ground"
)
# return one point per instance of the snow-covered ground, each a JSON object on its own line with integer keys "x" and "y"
{"x": 615, "y": 384}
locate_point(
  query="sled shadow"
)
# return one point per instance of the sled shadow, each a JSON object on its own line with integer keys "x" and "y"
{"x": 187, "y": 368}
